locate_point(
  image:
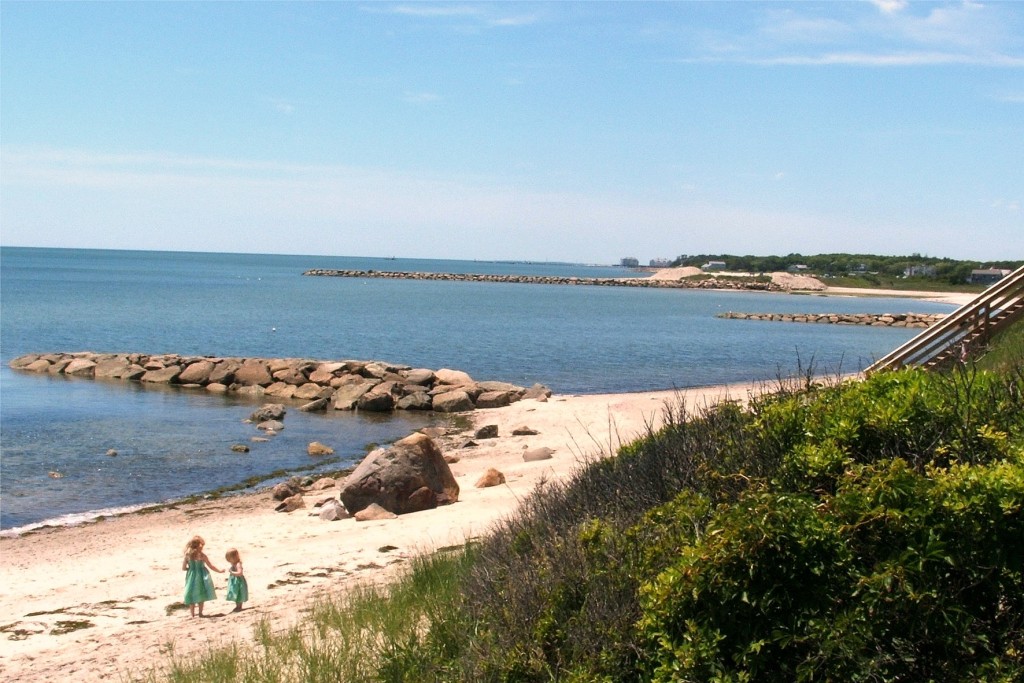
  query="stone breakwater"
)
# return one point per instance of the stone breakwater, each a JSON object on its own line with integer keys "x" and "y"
{"x": 374, "y": 386}
{"x": 713, "y": 283}
{"x": 873, "y": 319}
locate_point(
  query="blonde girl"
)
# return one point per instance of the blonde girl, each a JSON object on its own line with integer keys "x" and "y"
{"x": 198, "y": 583}
{"x": 238, "y": 588}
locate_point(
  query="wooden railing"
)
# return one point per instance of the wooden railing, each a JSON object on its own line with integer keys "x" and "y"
{"x": 964, "y": 331}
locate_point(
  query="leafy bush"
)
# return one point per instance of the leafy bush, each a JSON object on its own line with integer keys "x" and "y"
{"x": 859, "y": 531}
{"x": 813, "y": 535}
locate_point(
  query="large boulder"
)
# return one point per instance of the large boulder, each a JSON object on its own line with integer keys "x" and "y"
{"x": 162, "y": 376}
{"x": 111, "y": 368}
{"x": 454, "y": 377}
{"x": 348, "y": 395}
{"x": 223, "y": 372}
{"x": 80, "y": 367}
{"x": 409, "y": 476}
{"x": 453, "y": 402}
{"x": 196, "y": 373}
{"x": 254, "y": 373}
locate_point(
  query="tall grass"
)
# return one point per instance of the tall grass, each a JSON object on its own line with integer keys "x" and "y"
{"x": 755, "y": 542}
{"x": 369, "y": 633}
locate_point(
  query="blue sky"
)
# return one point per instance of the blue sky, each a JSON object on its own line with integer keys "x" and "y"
{"x": 579, "y": 132}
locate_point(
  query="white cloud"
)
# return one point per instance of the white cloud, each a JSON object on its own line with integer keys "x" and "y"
{"x": 519, "y": 20}
{"x": 889, "y": 6}
{"x": 420, "y": 97}
{"x": 425, "y": 10}
{"x": 901, "y": 34}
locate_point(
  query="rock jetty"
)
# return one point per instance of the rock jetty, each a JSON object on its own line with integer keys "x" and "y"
{"x": 373, "y": 386}
{"x": 872, "y": 319}
{"x": 712, "y": 283}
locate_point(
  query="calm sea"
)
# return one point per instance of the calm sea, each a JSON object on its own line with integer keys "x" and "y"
{"x": 172, "y": 443}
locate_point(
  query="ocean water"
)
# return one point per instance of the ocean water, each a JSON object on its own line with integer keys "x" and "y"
{"x": 173, "y": 442}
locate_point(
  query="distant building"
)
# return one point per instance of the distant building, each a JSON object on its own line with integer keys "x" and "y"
{"x": 630, "y": 262}
{"x": 987, "y": 276}
{"x": 798, "y": 268}
{"x": 713, "y": 265}
{"x": 919, "y": 271}
{"x": 660, "y": 262}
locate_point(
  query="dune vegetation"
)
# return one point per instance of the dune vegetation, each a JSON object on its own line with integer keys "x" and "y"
{"x": 866, "y": 530}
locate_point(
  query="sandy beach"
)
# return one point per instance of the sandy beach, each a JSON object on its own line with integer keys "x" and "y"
{"x": 98, "y": 600}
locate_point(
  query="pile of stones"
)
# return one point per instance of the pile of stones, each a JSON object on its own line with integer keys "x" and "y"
{"x": 374, "y": 386}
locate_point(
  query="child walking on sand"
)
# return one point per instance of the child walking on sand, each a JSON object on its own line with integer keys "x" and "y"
{"x": 198, "y": 583}
{"x": 238, "y": 588}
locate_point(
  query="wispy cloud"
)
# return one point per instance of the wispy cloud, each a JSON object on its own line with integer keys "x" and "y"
{"x": 480, "y": 16}
{"x": 889, "y": 6}
{"x": 896, "y": 34}
{"x": 427, "y": 10}
{"x": 420, "y": 97}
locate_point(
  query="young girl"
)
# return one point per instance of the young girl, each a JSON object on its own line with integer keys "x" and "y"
{"x": 238, "y": 589}
{"x": 198, "y": 583}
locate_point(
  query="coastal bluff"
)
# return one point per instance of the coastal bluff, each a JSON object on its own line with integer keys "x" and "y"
{"x": 373, "y": 386}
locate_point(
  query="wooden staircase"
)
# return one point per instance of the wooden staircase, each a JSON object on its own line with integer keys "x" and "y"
{"x": 965, "y": 331}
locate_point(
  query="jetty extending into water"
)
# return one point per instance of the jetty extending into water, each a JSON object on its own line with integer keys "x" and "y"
{"x": 367, "y": 385}
{"x": 710, "y": 283}
{"x": 873, "y": 319}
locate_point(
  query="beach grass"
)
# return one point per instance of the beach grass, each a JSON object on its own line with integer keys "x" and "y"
{"x": 835, "y": 530}
{"x": 369, "y": 633}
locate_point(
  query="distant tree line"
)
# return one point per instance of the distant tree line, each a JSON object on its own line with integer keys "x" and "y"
{"x": 841, "y": 265}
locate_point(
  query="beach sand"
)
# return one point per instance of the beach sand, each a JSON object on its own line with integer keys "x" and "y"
{"x": 95, "y": 601}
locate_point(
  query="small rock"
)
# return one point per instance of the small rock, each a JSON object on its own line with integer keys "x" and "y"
{"x": 314, "y": 406}
{"x": 291, "y": 504}
{"x": 324, "y": 483}
{"x": 524, "y": 431}
{"x": 317, "y": 448}
{"x": 491, "y": 477}
{"x": 240, "y": 448}
{"x": 282, "y": 491}
{"x": 270, "y": 426}
{"x": 271, "y": 411}
{"x": 112, "y": 453}
{"x": 468, "y": 443}
{"x": 534, "y": 454}
{"x": 487, "y": 432}
{"x": 451, "y": 458}
{"x": 53, "y": 474}
{"x": 373, "y": 512}
{"x": 333, "y": 510}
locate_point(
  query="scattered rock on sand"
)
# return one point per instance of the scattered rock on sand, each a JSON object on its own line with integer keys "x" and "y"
{"x": 534, "y": 454}
{"x": 373, "y": 512}
{"x": 524, "y": 431}
{"x": 291, "y": 504}
{"x": 487, "y": 432}
{"x": 333, "y": 510}
{"x": 282, "y": 491}
{"x": 491, "y": 477}
{"x": 323, "y": 483}
{"x": 410, "y": 476}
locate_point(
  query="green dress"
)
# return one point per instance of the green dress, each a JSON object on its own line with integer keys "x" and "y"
{"x": 238, "y": 589}
{"x": 198, "y": 583}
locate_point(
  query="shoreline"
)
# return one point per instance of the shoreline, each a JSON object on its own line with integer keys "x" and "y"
{"x": 98, "y": 599}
